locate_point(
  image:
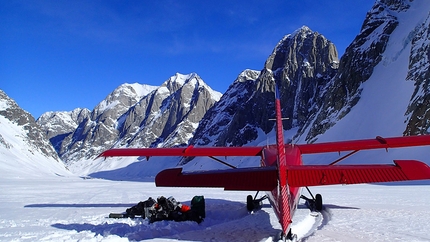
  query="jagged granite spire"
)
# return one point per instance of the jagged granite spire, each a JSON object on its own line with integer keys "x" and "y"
{"x": 169, "y": 115}
{"x": 136, "y": 115}
{"x": 302, "y": 63}
{"x": 220, "y": 121}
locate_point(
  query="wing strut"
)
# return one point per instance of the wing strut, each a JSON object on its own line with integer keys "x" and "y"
{"x": 222, "y": 162}
{"x": 343, "y": 157}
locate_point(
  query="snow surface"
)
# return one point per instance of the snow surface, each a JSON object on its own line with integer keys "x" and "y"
{"x": 75, "y": 209}
{"x": 18, "y": 159}
{"x": 142, "y": 89}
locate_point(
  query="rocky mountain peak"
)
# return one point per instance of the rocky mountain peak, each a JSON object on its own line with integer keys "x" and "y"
{"x": 58, "y": 125}
{"x": 247, "y": 75}
{"x": 301, "y": 63}
{"x": 134, "y": 115}
{"x": 303, "y": 47}
{"x": 356, "y": 65}
{"x": 33, "y": 136}
{"x": 214, "y": 129}
{"x": 55, "y": 123}
{"x": 168, "y": 116}
{"x": 121, "y": 98}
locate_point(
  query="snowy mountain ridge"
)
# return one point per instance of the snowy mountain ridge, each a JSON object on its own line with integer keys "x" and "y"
{"x": 301, "y": 64}
{"x": 25, "y": 151}
{"x": 135, "y": 115}
{"x": 385, "y": 48}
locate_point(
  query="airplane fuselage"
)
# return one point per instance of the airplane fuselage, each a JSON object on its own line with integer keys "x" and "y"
{"x": 284, "y": 199}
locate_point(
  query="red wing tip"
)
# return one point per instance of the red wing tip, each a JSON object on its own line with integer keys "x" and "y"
{"x": 100, "y": 155}
{"x": 413, "y": 169}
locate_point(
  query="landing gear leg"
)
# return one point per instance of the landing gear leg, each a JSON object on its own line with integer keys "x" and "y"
{"x": 254, "y": 203}
{"x": 314, "y": 203}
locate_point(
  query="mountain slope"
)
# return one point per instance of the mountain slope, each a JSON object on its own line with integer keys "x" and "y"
{"x": 24, "y": 149}
{"x": 169, "y": 115}
{"x": 419, "y": 63}
{"x": 82, "y": 133}
{"x": 382, "y": 102}
{"x": 58, "y": 125}
{"x": 133, "y": 115}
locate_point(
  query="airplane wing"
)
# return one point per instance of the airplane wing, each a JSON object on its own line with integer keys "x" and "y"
{"x": 246, "y": 179}
{"x": 187, "y": 151}
{"x": 319, "y": 175}
{"x": 266, "y": 178}
{"x": 367, "y": 144}
{"x": 377, "y": 143}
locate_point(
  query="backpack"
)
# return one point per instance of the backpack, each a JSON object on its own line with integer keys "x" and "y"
{"x": 162, "y": 209}
{"x": 198, "y": 206}
{"x": 141, "y": 208}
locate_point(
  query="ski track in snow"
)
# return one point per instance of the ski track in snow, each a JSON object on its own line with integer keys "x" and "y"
{"x": 308, "y": 224}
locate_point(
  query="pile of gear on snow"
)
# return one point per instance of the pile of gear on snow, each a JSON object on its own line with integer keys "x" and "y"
{"x": 166, "y": 209}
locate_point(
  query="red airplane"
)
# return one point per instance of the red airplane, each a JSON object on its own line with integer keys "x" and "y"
{"x": 282, "y": 173}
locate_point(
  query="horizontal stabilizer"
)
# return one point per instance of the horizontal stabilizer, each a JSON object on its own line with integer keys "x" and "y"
{"x": 319, "y": 175}
{"x": 241, "y": 179}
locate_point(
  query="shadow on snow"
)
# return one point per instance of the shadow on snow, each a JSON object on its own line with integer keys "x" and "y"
{"x": 225, "y": 221}
{"x": 75, "y": 205}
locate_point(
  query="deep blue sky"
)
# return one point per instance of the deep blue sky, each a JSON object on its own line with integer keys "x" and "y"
{"x": 57, "y": 55}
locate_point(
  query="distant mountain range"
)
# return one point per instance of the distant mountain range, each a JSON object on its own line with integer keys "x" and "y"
{"x": 380, "y": 86}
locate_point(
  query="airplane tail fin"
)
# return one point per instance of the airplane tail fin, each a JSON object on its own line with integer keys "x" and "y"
{"x": 279, "y": 128}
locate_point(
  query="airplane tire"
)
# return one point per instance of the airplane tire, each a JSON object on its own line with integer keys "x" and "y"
{"x": 249, "y": 203}
{"x": 318, "y": 202}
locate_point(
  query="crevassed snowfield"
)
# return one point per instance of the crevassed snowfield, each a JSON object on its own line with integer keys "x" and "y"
{"x": 76, "y": 209}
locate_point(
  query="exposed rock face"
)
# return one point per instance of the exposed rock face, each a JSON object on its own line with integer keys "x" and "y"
{"x": 58, "y": 125}
{"x": 219, "y": 125}
{"x": 301, "y": 64}
{"x": 133, "y": 115}
{"x": 357, "y": 64}
{"x": 81, "y": 133}
{"x": 168, "y": 116}
{"x": 419, "y": 63}
{"x": 33, "y": 134}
